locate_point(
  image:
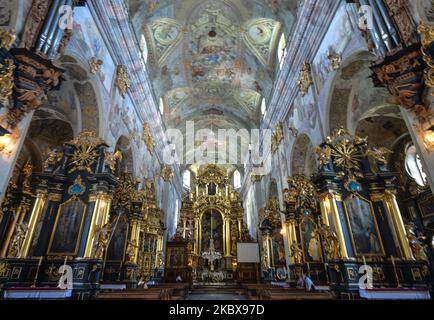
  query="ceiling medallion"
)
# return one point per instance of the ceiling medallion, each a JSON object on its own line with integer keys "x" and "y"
{"x": 305, "y": 80}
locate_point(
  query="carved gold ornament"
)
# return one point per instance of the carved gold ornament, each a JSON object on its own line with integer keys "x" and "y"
{"x": 123, "y": 82}
{"x": 305, "y": 80}
{"x": 427, "y": 35}
{"x": 302, "y": 192}
{"x": 277, "y": 137}
{"x": 7, "y": 38}
{"x": 147, "y": 138}
{"x": 85, "y": 153}
{"x": 166, "y": 173}
{"x": 7, "y": 79}
{"x": 345, "y": 150}
{"x": 27, "y": 173}
{"x": 113, "y": 159}
{"x": 95, "y": 65}
{"x": 347, "y": 155}
{"x": 124, "y": 191}
{"x": 335, "y": 60}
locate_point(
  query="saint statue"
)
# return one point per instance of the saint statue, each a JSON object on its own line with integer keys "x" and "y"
{"x": 17, "y": 242}
{"x": 296, "y": 253}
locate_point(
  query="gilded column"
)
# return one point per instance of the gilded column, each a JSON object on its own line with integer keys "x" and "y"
{"x": 393, "y": 208}
{"x": 228, "y": 236}
{"x": 198, "y": 236}
{"x": 291, "y": 234}
{"x": 332, "y": 198}
{"x": 135, "y": 235}
{"x": 38, "y": 209}
{"x": 99, "y": 219}
{"x": 18, "y": 219}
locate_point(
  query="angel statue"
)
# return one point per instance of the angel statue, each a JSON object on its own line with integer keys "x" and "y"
{"x": 416, "y": 242}
{"x": 131, "y": 250}
{"x": 101, "y": 245}
{"x": 296, "y": 253}
{"x": 17, "y": 242}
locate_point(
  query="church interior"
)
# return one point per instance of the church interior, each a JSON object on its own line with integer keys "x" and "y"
{"x": 216, "y": 149}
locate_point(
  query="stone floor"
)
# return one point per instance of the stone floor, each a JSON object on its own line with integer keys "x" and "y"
{"x": 216, "y": 292}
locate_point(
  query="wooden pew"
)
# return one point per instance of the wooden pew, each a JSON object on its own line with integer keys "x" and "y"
{"x": 136, "y": 294}
{"x": 180, "y": 290}
{"x": 253, "y": 290}
{"x": 274, "y": 294}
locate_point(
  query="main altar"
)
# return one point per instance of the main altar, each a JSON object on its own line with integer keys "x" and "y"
{"x": 211, "y": 224}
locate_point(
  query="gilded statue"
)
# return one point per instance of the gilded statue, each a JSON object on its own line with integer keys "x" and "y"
{"x": 95, "y": 64}
{"x": 104, "y": 234}
{"x": 53, "y": 157}
{"x": 296, "y": 252}
{"x": 416, "y": 242}
{"x": 17, "y": 242}
{"x": 113, "y": 159}
{"x": 131, "y": 251}
{"x": 330, "y": 241}
{"x": 376, "y": 157}
{"x": 305, "y": 80}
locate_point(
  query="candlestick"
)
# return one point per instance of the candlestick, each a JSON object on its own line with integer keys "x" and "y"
{"x": 364, "y": 260}
{"x": 37, "y": 272}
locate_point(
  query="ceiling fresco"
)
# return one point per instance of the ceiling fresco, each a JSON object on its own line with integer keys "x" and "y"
{"x": 210, "y": 59}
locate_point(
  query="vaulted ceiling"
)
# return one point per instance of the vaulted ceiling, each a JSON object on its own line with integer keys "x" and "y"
{"x": 212, "y": 61}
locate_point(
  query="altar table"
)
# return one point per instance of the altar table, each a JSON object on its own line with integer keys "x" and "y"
{"x": 36, "y": 293}
{"x": 395, "y": 294}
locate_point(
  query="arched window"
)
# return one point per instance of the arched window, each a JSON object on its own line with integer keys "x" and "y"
{"x": 186, "y": 179}
{"x": 237, "y": 179}
{"x": 144, "y": 48}
{"x": 263, "y": 107}
{"x": 161, "y": 106}
{"x": 413, "y": 165}
{"x": 281, "y": 50}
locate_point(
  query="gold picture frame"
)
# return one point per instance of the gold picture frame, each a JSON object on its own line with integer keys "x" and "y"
{"x": 350, "y": 228}
{"x": 53, "y": 232}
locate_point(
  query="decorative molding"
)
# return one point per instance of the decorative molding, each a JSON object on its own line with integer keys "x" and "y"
{"x": 305, "y": 80}
{"x": 7, "y": 38}
{"x": 123, "y": 82}
{"x": 147, "y": 138}
{"x": 277, "y": 138}
{"x": 95, "y": 65}
{"x": 166, "y": 173}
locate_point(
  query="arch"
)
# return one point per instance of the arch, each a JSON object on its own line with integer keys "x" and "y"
{"x": 83, "y": 85}
{"x": 186, "y": 178}
{"x": 303, "y": 156}
{"x": 352, "y": 92}
{"x": 237, "y": 179}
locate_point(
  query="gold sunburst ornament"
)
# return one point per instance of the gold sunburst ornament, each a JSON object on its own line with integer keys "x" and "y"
{"x": 346, "y": 155}
{"x": 86, "y": 151}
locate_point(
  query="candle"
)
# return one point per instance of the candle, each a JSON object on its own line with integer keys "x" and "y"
{"x": 66, "y": 260}
{"x": 364, "y": 260}
{"x": 308, "y": 269}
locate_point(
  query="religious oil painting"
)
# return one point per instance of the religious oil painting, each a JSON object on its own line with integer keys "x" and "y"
{"x": 116, "y": 248}
{"x": 278, "y": 250}
{"x": 67, "y": 230}
{"x": 212, "y": 231}
{"x": 310, "y": 241}
{"x": 363, "y": 227}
